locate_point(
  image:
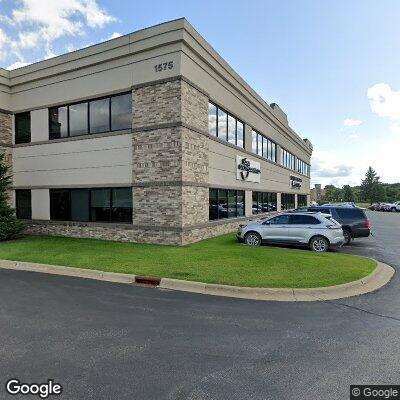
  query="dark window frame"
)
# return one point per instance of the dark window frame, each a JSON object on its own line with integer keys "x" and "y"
{"x": 269, "y": 143}
{"x": 270, "y": 199}
{"x": 110, "y": 189}
{"x": 17, "y": 207}
{"x": 25, "y": 138}
{"x": 300, "y": 203}
{"x": 88, "y": 101}
{"x": 237, "y": 214}
{"x": 228, "y": 114}
{"x": 285, "y": 202}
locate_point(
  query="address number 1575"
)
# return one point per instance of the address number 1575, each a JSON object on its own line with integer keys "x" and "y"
{"x": 164, "y": 66}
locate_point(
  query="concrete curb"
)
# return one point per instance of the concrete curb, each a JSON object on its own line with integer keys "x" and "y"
{"x": 382, "y": 274}
{"x": 68, "y": 271}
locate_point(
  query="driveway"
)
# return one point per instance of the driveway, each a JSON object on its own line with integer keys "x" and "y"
{"x": 108, "y": 341}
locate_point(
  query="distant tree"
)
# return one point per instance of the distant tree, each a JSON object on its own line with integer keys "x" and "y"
{"x": 370, "y": 187}
{"x": 378, "y": 193}
{"x": 348, "y": 194}
{"x": 10, "y": 227}
{"x": 332, "y": 194}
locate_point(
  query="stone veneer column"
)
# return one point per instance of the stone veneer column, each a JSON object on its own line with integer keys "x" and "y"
{"x": 6, "y": 144}
{"x": 170, "y": 161}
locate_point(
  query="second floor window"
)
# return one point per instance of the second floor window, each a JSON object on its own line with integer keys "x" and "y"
{"x": 225, "y": 126}
{"x": 23, "y": 127}
{"x": 288, "y": 159}
{"x": 95, "y": 116}
{"x": 303, "y": 167}
{"x": 263, "y": 146}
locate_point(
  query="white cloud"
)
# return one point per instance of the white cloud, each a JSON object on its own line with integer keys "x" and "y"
{"x": 115, "y": 35}
{"x": 354, "y": 135}
{"x": 18, "y": 64}
{"x": 384, "y": 101}
{"x": 3, "y": 43}
{"x": 352, "y": 122}
{"x": 329, "y": 168}
{"x": 40, "y": 22}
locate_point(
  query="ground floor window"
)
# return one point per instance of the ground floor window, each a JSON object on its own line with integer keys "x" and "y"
{"x": 264, "y": 202}
{"x": 91, "y": 205}
{"x": 287, "y": 201}
{"x": 23, "y": 204}
{"x": 301, "y": 200}
{"x": 226, "y": 203}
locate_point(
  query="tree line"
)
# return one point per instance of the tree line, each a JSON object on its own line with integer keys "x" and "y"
{"x": 371, "y": 190}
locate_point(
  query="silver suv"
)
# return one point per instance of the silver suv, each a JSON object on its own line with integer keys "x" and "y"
{"x": 315, "y": 230}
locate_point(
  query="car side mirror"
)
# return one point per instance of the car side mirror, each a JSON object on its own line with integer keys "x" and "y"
{"x": 266, "y": 223}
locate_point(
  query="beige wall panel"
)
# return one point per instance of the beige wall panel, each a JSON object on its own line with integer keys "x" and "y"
{"x": 108, "y": 77}
{"x": 40, "y": 125}
{"x": 85, "y": 176}
{"x": 5, "y": 100}
{"x": 96, "y": 161}
{"x": 40, "y": 204}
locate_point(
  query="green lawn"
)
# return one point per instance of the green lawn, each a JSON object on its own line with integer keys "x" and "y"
{"x": 363, "y": 205}
{"x": 217, "y": 260}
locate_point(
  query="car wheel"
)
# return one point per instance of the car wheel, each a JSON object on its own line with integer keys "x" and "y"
{"x": 393, "y": 209}
{"x": 347, "y": 236}
{"x": 319, "y": 244}
{"x": 252, "y": 239}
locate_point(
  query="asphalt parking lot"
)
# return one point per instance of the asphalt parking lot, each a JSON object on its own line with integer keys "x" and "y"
{"x": 385, "y": 242}
{"x": 108, "y": 341}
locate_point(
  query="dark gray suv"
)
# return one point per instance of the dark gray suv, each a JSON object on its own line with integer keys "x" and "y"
{"x": 354, "y": 221}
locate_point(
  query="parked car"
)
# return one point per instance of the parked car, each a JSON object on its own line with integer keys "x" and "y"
{"x": 307, "y": 229}
{"x": 393, "y": 207}
{"x": 354, "y": 221}
{"x": 374, "y": 207}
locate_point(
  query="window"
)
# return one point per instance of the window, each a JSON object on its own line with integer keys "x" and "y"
{"x": 301, "y": 200}
{"x": 78, "y": 119}
{"x": 263, "y": 146}
{"x": 302, "y": 167}
{"x": 225, "y": 126}
{"x": 23, "y": 204}
{"x": 226, "y": 204}
{"x": 280, "y": 220}
{"x": 99, "y": 111}
{"x": 100, "y": 206}
{"x": 287, "y": 201}
{"x": 58, "y": 122}
{"x": 121, "y": 112}
{"x": 79, "y": 205}
{"x": 287, "y": 159}
{"x": 23, "y": 128}
{"x": 264, "y": 202}
{"x": 350, "y": 213}
{"x": 212, "y": 119}
{"x": 304, "y": 220}
{"x": 96, "y": 116}
{"x": 60, "y": 204}
{"x": 95, "y": 205}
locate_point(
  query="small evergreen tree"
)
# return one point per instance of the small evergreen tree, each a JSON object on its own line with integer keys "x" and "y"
{"x": 10, "y": 227}
{"x": 369, "y": 186}
{"x": 348, "y": 194}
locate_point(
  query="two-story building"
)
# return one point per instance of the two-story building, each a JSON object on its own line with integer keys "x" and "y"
{"x": 149, "y": 137}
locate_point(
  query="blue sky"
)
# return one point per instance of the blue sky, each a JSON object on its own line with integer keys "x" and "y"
{"x": 333, "y": 66}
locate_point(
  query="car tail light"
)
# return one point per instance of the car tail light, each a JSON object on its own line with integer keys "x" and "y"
{"x": 334, "y": 226}
{"x": 367, "y": 223}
